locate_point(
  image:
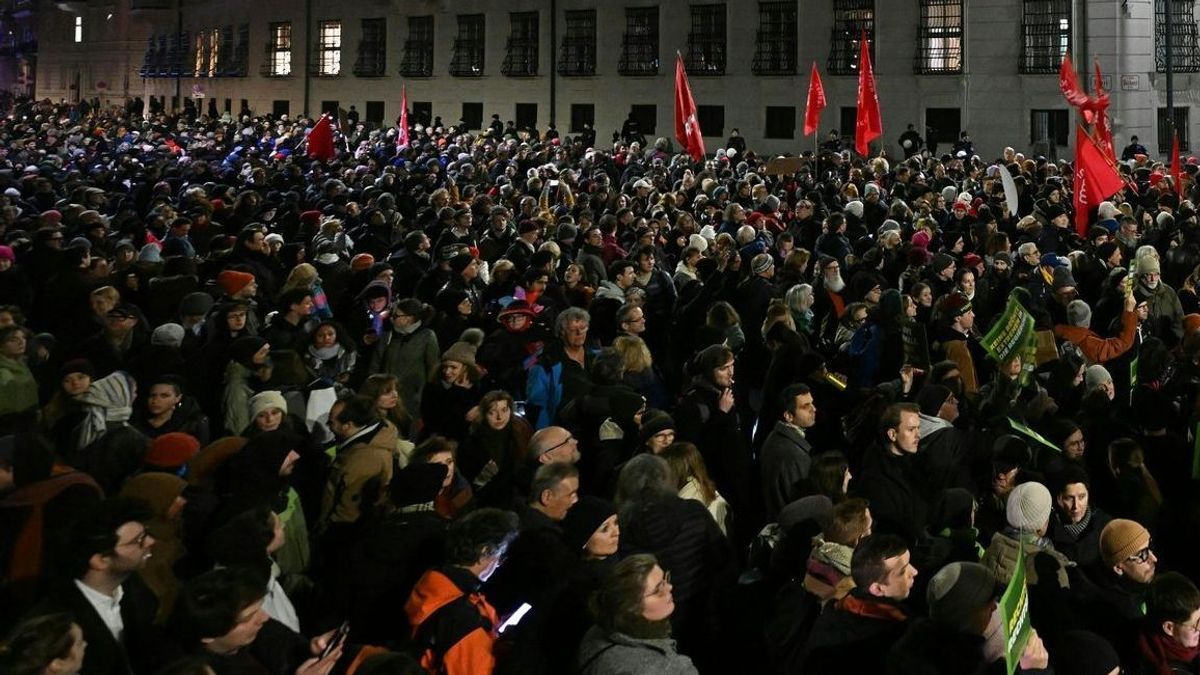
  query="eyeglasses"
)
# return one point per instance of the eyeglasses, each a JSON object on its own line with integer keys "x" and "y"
{"x": 138, "y": 541}
{"x": 661, "y": 587}
{"x": 1142, "y": 556}
{"x": 561, "y": 443}
{"x": 1193, "y": 627}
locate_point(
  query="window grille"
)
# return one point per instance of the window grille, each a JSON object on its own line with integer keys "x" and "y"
{"x": 1049, "y": 125}
{"x": 328, "y": 59}
{"x": 578, "y": 53}
{"x": 418, "y": 48}
{"x": 468, "y": 47}
{"x": 521, "y": 52}
{"x": 775, "y": 48}
{"x": 278, "y": 62}
{"x": 639, "y": 45}
{"x": 939, "y": 37}
{"x": 150, "y": 59}
{"x": 850, "y": 19}
{"x": 1185, "y": 54}
{"x": 706, "y": 41}
{"x": 372, "y": 49}
{"x": 177, "y": 53}
{"x": 240, "y": 64}
{"x": 1165, "y": 131}
{"x": 1046, "y": 35}
{"x": 223, "y": 54}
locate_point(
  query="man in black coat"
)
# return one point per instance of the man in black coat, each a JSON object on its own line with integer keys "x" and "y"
{"x": 889, "y": 478}
{"x": 106, "y": 548}
{"x": 786, "y": 454}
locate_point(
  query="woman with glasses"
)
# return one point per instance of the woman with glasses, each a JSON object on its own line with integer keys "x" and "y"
{"x": 633, "y": 623}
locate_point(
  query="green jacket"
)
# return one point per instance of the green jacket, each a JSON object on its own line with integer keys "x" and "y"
{"x": 19, "y": 387}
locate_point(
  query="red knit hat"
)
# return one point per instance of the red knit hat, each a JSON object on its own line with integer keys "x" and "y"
{"x": 172, "y": 450}
{"x": 233, "y": 281}
{"x": 361, "y": 262}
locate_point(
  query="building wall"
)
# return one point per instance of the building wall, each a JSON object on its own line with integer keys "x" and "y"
{"x": 995, "y": 100}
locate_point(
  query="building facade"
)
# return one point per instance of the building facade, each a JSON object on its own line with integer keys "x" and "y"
{"x": 986, "y": 66}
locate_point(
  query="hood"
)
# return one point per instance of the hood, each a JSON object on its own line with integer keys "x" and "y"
{"x": 609, "y": 290}
{"x": 931, "y": 424}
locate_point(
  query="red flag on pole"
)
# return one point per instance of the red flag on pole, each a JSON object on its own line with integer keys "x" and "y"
{"x": 320, "y": 140}
{"x": 687, "y": 127}
{"x": 869, "y": 124}
{"x": 1095, "y": 179}
{"x": 1103, "y": 130}
{"x": 402, "y": 139}
{"x": 1176, "y": 169}
{"x": 1069, "y": 83}
{"x": 816, "y": 101}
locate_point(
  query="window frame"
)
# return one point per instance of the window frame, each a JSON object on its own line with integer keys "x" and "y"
{"x": 371, "y": 60}
{"x": 1163, "y": 129}
{"x": 1185, "y": 45}
{"x": 521, "y": 50}
{"x": 327, "y": 61}
{"x": 940, "y": 43}
{"x": 850, "y": 19}
{"x": 577, "y": 53}
{"x": 1058, "y": 123}
{"x": 470, "y": 46}
{"x": 641, "y": 47}
{"x": 279, "y": 50}
{"x": 1044, "y": 37}
{"x": 707, "y": 40}
{"x": 776, "y": 43}
{"x": 418, "y": 47}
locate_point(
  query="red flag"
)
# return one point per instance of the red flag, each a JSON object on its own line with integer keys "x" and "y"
{"x": 1176, "y": 171}
{"x": 816, "y": 102}
{"x": 869, "y": 124}
{"x": 320, "y": 140}
{"x": 1069, "y": 83}
{"x": 1103, "y": 130}
{"x": 1095, "y": 179}
{"x": 402, "y": 139}
{"x": 687, "y": 127}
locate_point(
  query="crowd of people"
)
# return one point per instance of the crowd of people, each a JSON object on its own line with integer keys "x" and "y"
{"x": 524, "y": 403}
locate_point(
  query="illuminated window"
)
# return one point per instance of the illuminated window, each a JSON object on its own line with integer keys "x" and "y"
{"x": 1046, "y": 35}
{"x": 79, "y": 29}
{"x": 279, "y": 50}
{"x": 939, "y": 37}
{"x": 329, "y": 48}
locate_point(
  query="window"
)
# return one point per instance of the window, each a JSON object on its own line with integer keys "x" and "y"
{"x": 578, "y": 54}
{"x": 775, "y": 51}
{"x": 526, "y": 115}
{"x": 177, "y": 52}
{"x": 222, "y": 56}
{"x": 280, "y": 108}
{"x": 472, "y": 115}
{"x": 418, "y": 48}
{"x": 79, "y": 29}
{"x": 639, "y": 46}
{"x": 422, "y": 112}
{"x": 150, "y": 59}
{"x": 329, "y": 49}
{"x": 521, "y": 53}
{"x": 851, "y": 18}
{"x": 939, "y": 42}
{"x": 942, "y": 126}
{"x": 372, "y": 49}
{"x": 1046, "y": 31}
{"x": 279, "y": 50}
{"x": 468, "y": 47}
{"x": 375, "y": 113}
{"x": 780, "y": 122}
{"x": 241, "y": 53}
{"x": 227, "y": 106}
{"x": 848, "y": 122}
{"x": 1184, "y": 51}
{"x": 1165, "y": 131}
{"x": 1049, "y": 126}
{"x": 706, "y": 41}
{"x": 646, "y": 117}
{"x": 712, "y": 119}
{"x": 581, "y": 114}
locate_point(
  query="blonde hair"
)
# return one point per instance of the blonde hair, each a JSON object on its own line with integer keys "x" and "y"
{"x": 686, "y": 462}
{"x": 634, "y": 354}
{"x": 301, "y": 276}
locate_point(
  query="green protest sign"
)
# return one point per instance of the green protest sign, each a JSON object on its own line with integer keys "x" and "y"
{"x": 1014, "y": 614}
{"x": 1011, "y": 334}
{"x": 1031, "y": 434}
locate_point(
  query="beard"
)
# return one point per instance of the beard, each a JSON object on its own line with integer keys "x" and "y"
{"x": 836, "y": 284}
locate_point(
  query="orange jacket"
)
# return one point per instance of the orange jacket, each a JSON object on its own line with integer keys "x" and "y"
{"x": 1096, "y": 348}
{"x": 457, "y": 615}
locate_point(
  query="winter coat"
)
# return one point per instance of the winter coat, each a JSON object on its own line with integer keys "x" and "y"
{"x": 453, "y": 623}
{"x": 718, "y": 436}
{"x": 927, "y": 648}
{"x": 853, "y": 635}
{"x": 1082, "y": 548}
{"x": 412, "y": 358}
{"x": 898, "y": 501}
{"x": 17, "y": 383}
{"x": 361, "y": 471}
{"x": 236, "y": 400}
{"x": 1096, "y": 348}
{"x": 605, "y": 653}
{"x": 1166, "y": 314}
{"x": 786, "y": 458}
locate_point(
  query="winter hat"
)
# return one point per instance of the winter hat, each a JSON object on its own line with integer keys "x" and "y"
{"x": 1028, "y": 507}
{"x": 931, "y": 398}
{"x": 971, "y": 260}
{"x": 1002, "y": 256}
{"x": 150, "y": 253}
{"x": 1094, "y": 377}
{"x": 920, "y": 239}
{"x": 417, "y": 483}
{"x": 1081, "y": 652}
{"x": 171, "y": 450}
{"x": 195, "y": 304}
{"x": 814, "y": 508}
{"x": 266, "y": 400}
{"x": 6, "y": 253}
{"x": 77, "y": 366}
{"x": 854, "y": 208}
{"x": 940, "y": 262}
{"x": 566, "y": 232}
{"x": 460, "y": 262}
{"x": 958, "y": 591}
{"x": 584, "y": 518}
{"x": 1009, "y": 452}
{"x": 1121, "y": 539}
{"x": 233, "y": 281}
{"x": 654, "y": 422}
{"x": 1063, "y": 279}
{"x": 1104, "y": 251}
{"x": 461, "y": 352}
{"x": 1148, "y": 265}
{"x": 167, "y": 335}
{"x": 870, "y": 188}
{"x": 698, "y": 242}
{"x": 954, "y": 305}
{"x": 362, "y": 262}
{"x": 1051, "y": 260}
{"x": 1079, "y": 314}
{"x": 1191, "y": 324}
{"x": 761, "y": 263}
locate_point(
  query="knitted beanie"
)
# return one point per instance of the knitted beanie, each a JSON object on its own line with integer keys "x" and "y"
{"x": 931, "y": 397}
{"x": 1148, "y": 264}
{"x": 958, "y": 591}
{"x": 266, "y": 400}
{"x": 654, "y": 422}
{"x": 461, "y": 352}
{"x": 172, "y": 450}
{"x": 1121, "y": 539}
{"x": 233, "y": 281}
{"x": 1028, "y": 507}
{"x": 1095, "y": 376}
{"x": 584, "y": 518}
{"x": 167, "y": 335}
{"x": 195, "y": 304}
{"x": 1079, "y": 314}
{"x": 761, "y": 263}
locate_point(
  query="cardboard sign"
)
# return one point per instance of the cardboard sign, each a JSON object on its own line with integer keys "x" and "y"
{"x": 781, "y": 166}
{"x": 916, "y": 345}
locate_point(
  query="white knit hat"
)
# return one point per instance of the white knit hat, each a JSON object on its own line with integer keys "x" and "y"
{"x": 1028, "y": 507}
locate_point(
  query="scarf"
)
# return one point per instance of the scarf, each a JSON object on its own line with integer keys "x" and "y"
{"x": 407, "y": 330}
{"x": 1077, "y": 529}
{"x": 1161, "y": 651}
{"x": 326, "y": 353}
{"x": 872, "y": 609}
{"x": 108, "y": 400}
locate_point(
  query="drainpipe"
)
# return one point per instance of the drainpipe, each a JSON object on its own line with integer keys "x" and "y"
{"x": 182, "y": 61}
{"x": 553, "y": 61}
{"x": 307, "y": 52}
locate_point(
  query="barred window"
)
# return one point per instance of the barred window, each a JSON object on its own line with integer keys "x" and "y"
{"x": 163, "y": 59}
{"x": 177, "y": 53}
{"x": 850, "y": 19}
{"x": 939, "y": 39}
{"x": 521, "y": 53}
{"x": 1185, "y": 54}
{"x": 639, "y": 45}
{"x": 1052, "y": 126}
{"x": 418, "y": 48}
{"x": 1046, "y": 31}
{"x": 372, "y": 49}
{"x": 223, "y": 57}
{"x": 706, "y": 41}
{"x": 279, "y": 51}
{"x": 200, "y": 54}
{"x": 150, "y": 59}
{"x": 775, "y": 49}
{"x": 241, "y": 52}
{"x": 578, "y": 53}
{"x": 468, "y": 47}
{"x": 1165, "y": 130}
{"x": 329, "y": 49}
{"x": 582, "y": 114}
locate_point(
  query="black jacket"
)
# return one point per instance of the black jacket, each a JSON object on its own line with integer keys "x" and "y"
{"x": 898, "y": 500}
{"x": 853, "y": 636}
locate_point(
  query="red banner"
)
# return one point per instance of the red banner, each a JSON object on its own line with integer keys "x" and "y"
{"x": 869, "y": 124}
{"x": 687, "y": 126}
{"x": 816, "y": 101}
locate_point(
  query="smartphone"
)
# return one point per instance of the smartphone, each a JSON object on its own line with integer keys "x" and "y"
{"x": 520, "y": 408}
{"x": 514, "y": 618}
{"x": 339, "y": 636}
